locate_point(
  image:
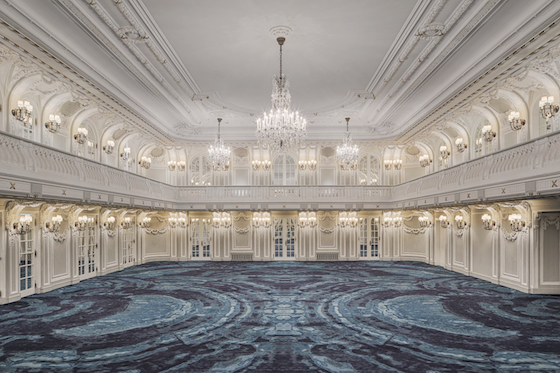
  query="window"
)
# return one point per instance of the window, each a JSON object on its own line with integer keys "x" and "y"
{"x": 200, "y": 169}
{"x": 284, "y": 238}
{"x": 369, "y": 238}
{"x": 26, "y": 262}
{"x": 86, "y": 251}
{"x": 128, "y": 245}
{"x": 284, "y": 168}
{"x": 442, "y": 162}
{"x": 368, "y": 170}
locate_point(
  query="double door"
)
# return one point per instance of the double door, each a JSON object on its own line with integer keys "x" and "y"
{"x": 369, "y": 238}
{"x": 201, "y": 231}
{"x": 284, "y": 238}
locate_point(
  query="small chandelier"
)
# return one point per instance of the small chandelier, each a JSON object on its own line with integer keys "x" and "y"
{"x": 53, "y": 125}
{"x": 443, "y": 152}
{"x": 261, "y": 219}
{"x": 109, "y": 147}
{"x": 282, "y": 128}
{"x": 546, "y": 106}
{"x": 487, "y": 222}
{"x": 516, "y": 223}
{"x": 460, "y": 144}
{"x": 54, "y": 225}
{"x": 515, "y": 122}
{"x": 171, "y": 165}
{"x": 307, "y": 219}
{"x": 24, "y": 225}
{"x": 81, "y": 136}
{"x": 487, "y": 133}
{"x": 347, "y": 154}
{"x": 397, "y": 222}
{"x": 23, "y": 111}
{"x": 219, "y": 154}
{"x": 425, "y": 160}
{"x": 443, "y": 221}
{"x": 145, "y": 162}
{"x": 387, "y": 222}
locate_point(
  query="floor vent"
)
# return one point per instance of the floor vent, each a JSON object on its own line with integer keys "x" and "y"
{"x": 241, "y": 257}
{"x": 327, "y": 256}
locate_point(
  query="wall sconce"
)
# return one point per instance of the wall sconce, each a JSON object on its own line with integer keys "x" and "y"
{"x": 443, "y": 221}
{"x": 196, "y": 220}
{"x": 145, "y": 162}
{"x": 443, "y": 152}
{"x": 396, "y": 164}
{"x": 23, "y": 111}
{"x": 460, "y": 144}
{"x": 221, "y": 220}
{"x": 487, "y": 133}
{"x": 460, "y": 222}
{"x": 515, "y": 222}
{"x": 53, "y": 125}
{"x": 397, "y": 222}
{"x": 109, "y": 147}
{"x": 23, "y": 226}
{"x": 54, "y": 225}
{"x": 84, "y": 222}
{"x": 172, "y": 222}
{"x": 307, "y": 219}
{"x": 515, "y": 122}
{"x": 424, "y": 221}
{"x": 125, "y": 155}
{"x": 81, "y": 136}
{"x": 261, "y": 220}
{"x": 182, "y": 223}
{"x": 425, "y": 160}
{"x": 387, "y": 222}
{"x": 145, "y": 223}
{"x": 348, "y": 219}
{"x": 261, "y": 165}
{"x": 126, "y": 223}
{"x": 487, "y": 222}
{"x": 110, "y": 223}
{"x": 547, "y": 109}
{"x": 181, "y": 166}
{"x": 171, "y": 165}
{"x": 307, "y": 165}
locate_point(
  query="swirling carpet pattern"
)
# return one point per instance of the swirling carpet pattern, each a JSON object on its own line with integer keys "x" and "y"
{"x": 281, "y": 317}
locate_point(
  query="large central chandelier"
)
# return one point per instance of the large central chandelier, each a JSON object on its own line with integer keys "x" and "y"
{"x": 281, "y": 128}
{"x": 347, "y": 154}
{"x": 219, "y": 154}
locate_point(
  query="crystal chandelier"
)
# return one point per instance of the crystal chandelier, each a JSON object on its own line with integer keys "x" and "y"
{"x": 219, "y": 154}
{"x": 347, "y": 154}
{"x": 281, "y": 129}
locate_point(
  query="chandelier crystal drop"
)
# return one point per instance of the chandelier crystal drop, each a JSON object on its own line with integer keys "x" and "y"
{"x": 281, "y": 128}
{"x": 347, "y": 154}
{"x": 219, "y": 154}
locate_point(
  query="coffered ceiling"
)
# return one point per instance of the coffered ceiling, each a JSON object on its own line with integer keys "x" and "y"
{"x": 174, "y": 66}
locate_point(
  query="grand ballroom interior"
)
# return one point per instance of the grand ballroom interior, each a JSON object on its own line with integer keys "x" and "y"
{"x": 279, "y": 186}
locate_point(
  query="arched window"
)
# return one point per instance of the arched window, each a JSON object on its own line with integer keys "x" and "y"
{"x": 200, "y": 170}
{"x": 86, "y": 148}
{"x": 284, "y": 168}
{"x": 481, "y": 147}
{"x": 26, "y": 128}
{"x": 442, "y": 162}
{"x": 368, "y": 170}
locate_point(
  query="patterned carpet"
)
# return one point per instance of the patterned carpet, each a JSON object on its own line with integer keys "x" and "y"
{"x": 281, "y": 317}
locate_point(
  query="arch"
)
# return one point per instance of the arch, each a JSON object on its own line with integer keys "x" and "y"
{"x": 200, "y": 170}
{"x": 369, "y": 170}
{"x": 284, "y": 170}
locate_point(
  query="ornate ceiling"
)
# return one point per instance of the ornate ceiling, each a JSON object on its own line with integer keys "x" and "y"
{"x": 171, "y": 67}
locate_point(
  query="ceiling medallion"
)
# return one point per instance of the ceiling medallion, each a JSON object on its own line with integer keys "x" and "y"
{"x": 347, "y": 154}
{"x": 431, "y": 31}
{"x": 219, "y": 154}
{"x": 282, "y": 128}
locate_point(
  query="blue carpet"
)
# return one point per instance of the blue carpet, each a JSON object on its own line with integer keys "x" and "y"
{"x": 281, "y": 317}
